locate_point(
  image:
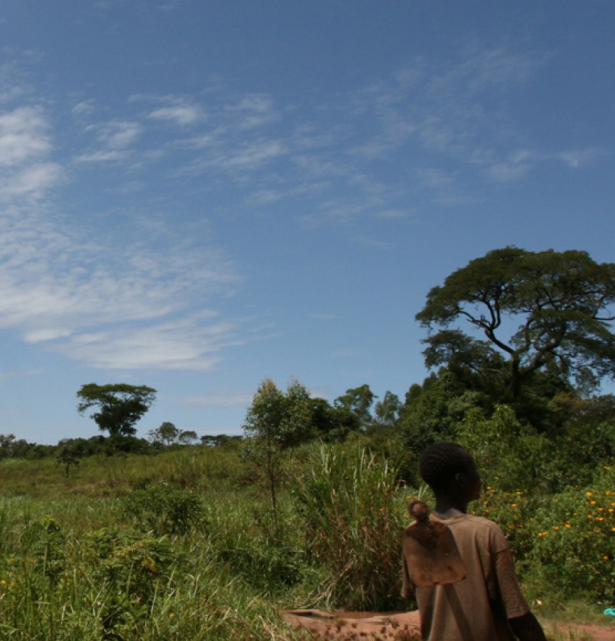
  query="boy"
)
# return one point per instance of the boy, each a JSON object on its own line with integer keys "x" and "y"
{"x": 488, "y": 604}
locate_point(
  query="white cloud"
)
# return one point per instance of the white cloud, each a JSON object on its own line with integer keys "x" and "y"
{"x": 253, "y": 154}
{"x": 182, "y": 115}
{"x": 112, "y": 155}
{"x": 177, "y": 345}
{"x": 114, "y": 140}
{"x": 32, "y": 181}
{"x": 119, "y": 134}
{"x": 254, "y": 110}
{"x": 23, "y": 136}
{"x": 84, "y": 108}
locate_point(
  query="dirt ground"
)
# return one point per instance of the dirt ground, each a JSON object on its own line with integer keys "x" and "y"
{"x": 399, "y": 627}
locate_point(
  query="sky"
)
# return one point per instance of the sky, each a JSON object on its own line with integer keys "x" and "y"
{"x": 199, "y": 194}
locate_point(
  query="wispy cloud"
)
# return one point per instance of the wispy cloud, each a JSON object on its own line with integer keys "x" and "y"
{"x": 177, "y": 345}
{"x": 113, "y": 140}
{"x": 179, "y": 111}
{"x": 23, "y": 135}
{"x": 93, "y": 304}
{"x": 110, "y": 304}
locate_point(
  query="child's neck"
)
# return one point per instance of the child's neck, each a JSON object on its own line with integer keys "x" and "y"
{"x": 449, "y": 506}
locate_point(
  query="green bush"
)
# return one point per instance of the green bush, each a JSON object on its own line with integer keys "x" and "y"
{"x": 514, "y": 513}
{"x": 574, "y": 541}
{"x": 509, "y": 454}
{"x": 164, "y": 509}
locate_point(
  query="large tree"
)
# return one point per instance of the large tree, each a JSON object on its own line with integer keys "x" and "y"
{"x": 119, "y": 406}
{"x": 539, "y": 311}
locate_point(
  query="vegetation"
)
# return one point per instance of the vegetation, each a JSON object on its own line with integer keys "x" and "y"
{"x": 564, "y": 302}
{"x": 119, "y": 406}
{"x": 116, "y": 537}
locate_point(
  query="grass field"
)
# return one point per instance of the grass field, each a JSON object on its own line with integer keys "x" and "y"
{"x": 183, "y": 544}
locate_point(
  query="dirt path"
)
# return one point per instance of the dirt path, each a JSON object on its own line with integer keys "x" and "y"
{"x": 400, "y": 627}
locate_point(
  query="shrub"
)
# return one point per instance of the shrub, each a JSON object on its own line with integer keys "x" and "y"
{"x": 509, "y": 455}
{"x": 163, "y": 508}
{"x": 575, "y": 541}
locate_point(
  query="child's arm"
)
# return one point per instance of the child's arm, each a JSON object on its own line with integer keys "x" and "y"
{"x": 527, "y": 628}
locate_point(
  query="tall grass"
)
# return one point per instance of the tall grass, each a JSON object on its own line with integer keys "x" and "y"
{"x": 348, "y": 501}
{"x": 65, "y": 578}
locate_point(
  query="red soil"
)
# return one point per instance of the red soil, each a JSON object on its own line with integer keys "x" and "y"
{"x": 401, "y": 627}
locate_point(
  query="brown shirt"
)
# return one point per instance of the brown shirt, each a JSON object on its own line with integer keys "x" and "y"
{"x": 477, "y": 608}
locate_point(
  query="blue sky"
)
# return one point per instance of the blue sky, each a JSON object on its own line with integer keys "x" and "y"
{"x": 195, "y": 195}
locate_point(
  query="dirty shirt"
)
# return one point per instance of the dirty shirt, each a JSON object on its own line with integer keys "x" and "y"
{"x": 478, "y": 607}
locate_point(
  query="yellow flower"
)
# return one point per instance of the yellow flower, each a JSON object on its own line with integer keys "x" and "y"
{"x": 555, "y": 527}
{"x": 589, "y": 494}
{"x": 514, "y": 505}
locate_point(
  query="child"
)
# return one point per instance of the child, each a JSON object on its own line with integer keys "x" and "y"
{"x": 488, "y": 604}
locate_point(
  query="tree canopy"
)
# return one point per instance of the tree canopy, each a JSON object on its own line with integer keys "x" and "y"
{"x": 274, "y": 422}
{"x": 120, "y": 406}
{"x": 546, "y": 310}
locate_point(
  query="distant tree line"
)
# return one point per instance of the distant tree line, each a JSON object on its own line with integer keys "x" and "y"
{"x": 518, "y": 344}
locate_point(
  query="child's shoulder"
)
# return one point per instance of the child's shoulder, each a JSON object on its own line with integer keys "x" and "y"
{"x": 482, "y": 526}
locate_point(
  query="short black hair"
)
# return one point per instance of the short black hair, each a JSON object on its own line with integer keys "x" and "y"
{"x": 441, "y": 462}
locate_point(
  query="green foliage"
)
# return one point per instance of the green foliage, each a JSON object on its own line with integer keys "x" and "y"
{"x": 575, "y": 541}
{"x": 432, "y": 411}
{"x": 166, "y": 434}
{"x": 69, "y": 453}
{"x": 163, "y": 509}
{"x": 119, "y": 406}
{"x": 514, "y": 512}
{"x": 509, "y": 454}
{"x": 358, "y": 401}
{"x": 348, "y": 503}
{"x": 252, "y": 550}
{"x": 121, "y": 549}
{"x": 386, "y": 411}
{"x": 332, "y": 424}
{"x": 563, "y": 300}
{"x": 276, "y": 421}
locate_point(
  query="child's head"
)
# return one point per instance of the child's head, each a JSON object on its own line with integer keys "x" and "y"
{"x": 450, "y": 468}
